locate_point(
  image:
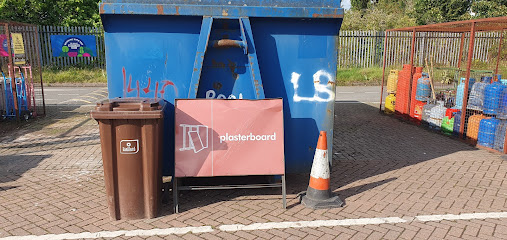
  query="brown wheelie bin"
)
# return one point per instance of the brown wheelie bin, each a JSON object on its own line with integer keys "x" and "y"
{"x": 131, "y": 140}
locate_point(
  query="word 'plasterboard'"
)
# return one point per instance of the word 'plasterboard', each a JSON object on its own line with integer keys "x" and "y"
{"x": 229, "y": 137}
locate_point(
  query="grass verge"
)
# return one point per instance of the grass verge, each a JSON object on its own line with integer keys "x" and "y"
{"x": 74, "y": 75}
{"x": 373, "y": 76}
{"x": 359, "y": 76}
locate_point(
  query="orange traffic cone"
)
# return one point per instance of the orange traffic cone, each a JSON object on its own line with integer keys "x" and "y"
{"x": 318, "y": 195}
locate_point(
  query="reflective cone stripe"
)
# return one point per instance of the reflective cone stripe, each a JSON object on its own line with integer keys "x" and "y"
{"x": 319, "y": 176}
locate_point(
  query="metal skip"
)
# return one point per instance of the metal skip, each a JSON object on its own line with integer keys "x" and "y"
{"x": 318, "y": 195}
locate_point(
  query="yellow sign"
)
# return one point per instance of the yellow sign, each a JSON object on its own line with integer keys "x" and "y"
{"x": 19, "y": 48}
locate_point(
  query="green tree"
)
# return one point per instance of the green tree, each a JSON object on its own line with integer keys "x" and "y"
{"x": 81, "y": 13}
{"x": 380, "y": 15}
{"x": 489, "y": 8}
{"x": 52, "y": 12}
{"x": 437, "y": 11}
{"x": 359, "y": 4}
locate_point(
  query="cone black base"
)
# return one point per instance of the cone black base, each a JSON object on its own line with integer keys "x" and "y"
{"x": 325, "y": 199}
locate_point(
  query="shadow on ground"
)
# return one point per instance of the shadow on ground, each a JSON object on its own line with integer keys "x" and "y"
{"x": 13, "y": 166}
{"x": 10, "y": 129}
{"x": 366, "y": 144}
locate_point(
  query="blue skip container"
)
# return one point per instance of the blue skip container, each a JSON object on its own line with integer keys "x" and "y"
{"x": 244, "y": 49}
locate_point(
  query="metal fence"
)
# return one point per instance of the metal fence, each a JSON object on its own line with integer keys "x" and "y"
{"x": 364, "y": 49}
{"x": 47, "y": 52}
{"x": 27, "y": 77}
{"x": 467, "y": 100}
{"x": 361, "y": 49}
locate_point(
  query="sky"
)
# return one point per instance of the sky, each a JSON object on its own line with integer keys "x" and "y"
{"x": 346, "y": 4}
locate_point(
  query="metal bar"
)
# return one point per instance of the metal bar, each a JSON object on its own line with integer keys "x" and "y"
{"x": 255, "y": 72}
{"x": 202, "y": 45}
{"x": 412, "y": 51}
{"x": 39, "y": 60}
{"x": 383, "y": 72}
{"x": 11, "y": 71}
{"x": 228, "y": 43}
{"x": 33, "y": 57}
{"x": 465, "y": 94}
{"x": 222, "y": 11}
{"x": 49, "y": 53}
{"x": 284, "y": 192}
{"x": 175, "y": 194}
{"x": 95, "y": 33}
{"x": 499, "y": 53}
{"x": 246, "y": 186}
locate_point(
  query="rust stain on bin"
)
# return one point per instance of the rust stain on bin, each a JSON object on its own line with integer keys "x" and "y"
{"x": 335, "y": 15}
{"x": 177, "y": 10}
{"x": 226, "y": 43}
{"x": 217, "y": 85}
{"x": 102, "y": 8}
{"x": 232, "y": 68}
{"x": 217, "y": 64}
{"x": 160, "y": 9}
{"x": 131, "y": 137}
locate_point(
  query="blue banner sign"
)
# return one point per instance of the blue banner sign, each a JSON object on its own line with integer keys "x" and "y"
{"x": 73, "y": 46}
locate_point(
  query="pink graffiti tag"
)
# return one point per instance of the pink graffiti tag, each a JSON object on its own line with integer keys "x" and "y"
{"x": 124, "y": 82}
{"x": 167, "y": 83}
{"x": 147, "y": 88}
{"x": 127, "y": 88}
{"x": 156, "y": 90}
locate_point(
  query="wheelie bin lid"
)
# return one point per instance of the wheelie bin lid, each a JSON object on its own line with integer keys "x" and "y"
{"x": 226, "y": 9}
{"x": 129, "y": 108}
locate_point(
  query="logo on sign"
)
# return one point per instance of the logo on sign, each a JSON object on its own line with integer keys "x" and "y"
{"x": 129, "y": 146}
{"x": 195, "y": 137}
{"x": 75, "y": 47}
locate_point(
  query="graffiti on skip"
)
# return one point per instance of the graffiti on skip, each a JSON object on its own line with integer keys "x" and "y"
{"x": 211, "y": 94}
{"x": 127, "y": 87}
{"x": 321, "y": 80}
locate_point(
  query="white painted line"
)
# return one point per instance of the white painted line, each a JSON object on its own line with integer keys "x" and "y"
{"x": 92, "y": 97}
{"x": 76, "y": 105}
{"x": 464, "y": 216}
{"x": 341, "y": 101}
{"x": 371, "y": 92}
{"x": 98, "y": 94}
{"x": 55, "y": 90}
{"x": 68, "y": 94}
{"x": 346, "y": 92}
{"x": 317, "y": 223}
{"x": 168, "y": 231}
{"x": 260, "y": 226}
{"x": 113, "y": 234}
{"x": 76, "y": 100}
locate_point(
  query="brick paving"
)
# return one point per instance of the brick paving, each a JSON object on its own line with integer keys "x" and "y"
{"x": 51, "y": 182}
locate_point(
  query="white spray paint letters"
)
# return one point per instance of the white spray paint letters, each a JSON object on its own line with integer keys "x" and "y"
{"x": 211, "y": 94}
{"x": 320, "y": 89}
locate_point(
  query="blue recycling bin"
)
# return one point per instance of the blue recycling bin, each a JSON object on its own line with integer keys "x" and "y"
{"x": 239, "y": 49}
